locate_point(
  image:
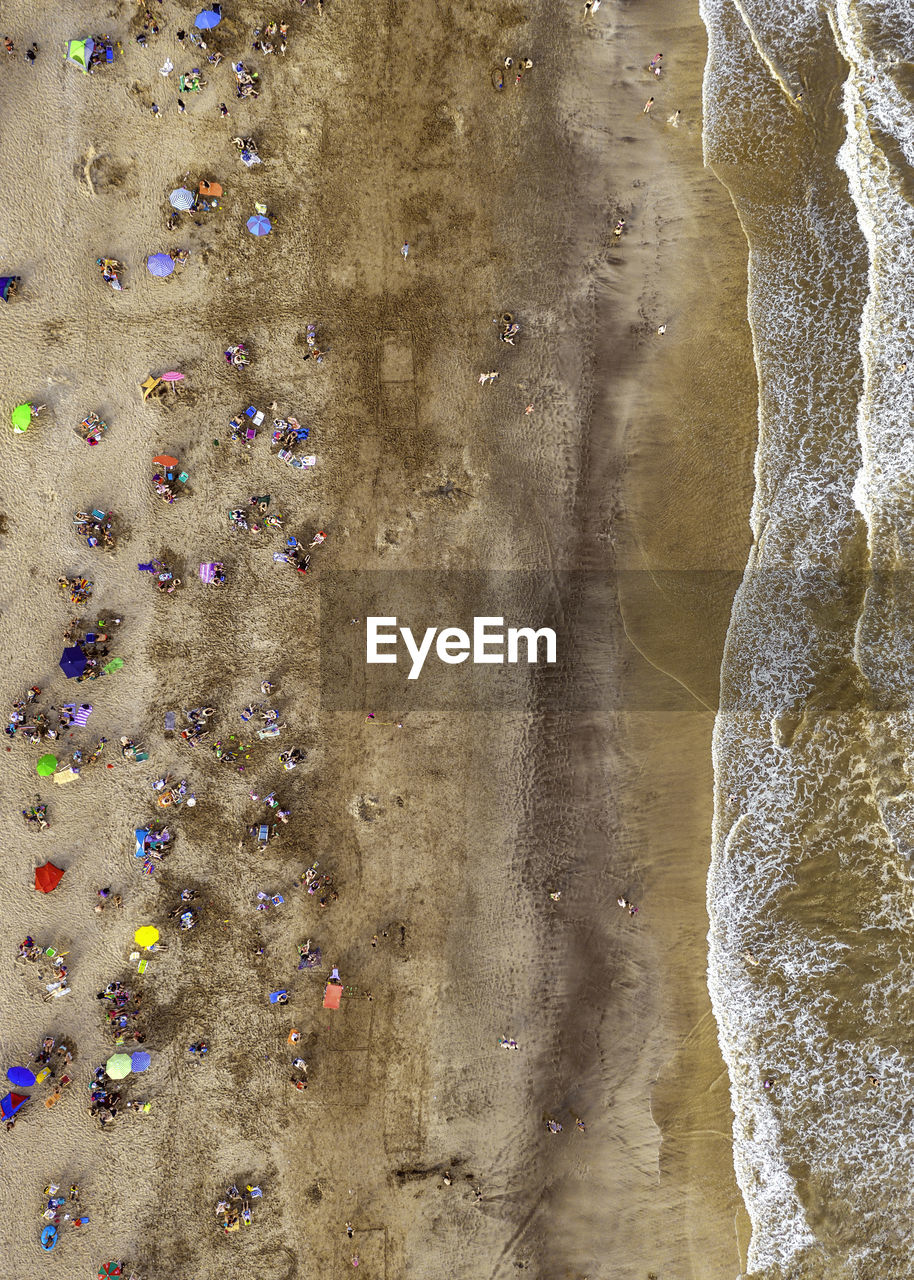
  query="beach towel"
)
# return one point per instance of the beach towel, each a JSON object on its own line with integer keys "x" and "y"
{"x": 82, "y": 715}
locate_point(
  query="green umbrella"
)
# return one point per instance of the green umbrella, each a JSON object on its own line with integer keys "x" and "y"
{"x": 46, "y": 766}
{"x": 21, "y": 417}
{"x": 118, "y": 1066}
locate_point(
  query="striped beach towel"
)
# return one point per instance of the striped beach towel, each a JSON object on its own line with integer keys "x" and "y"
{"x": 82, "y": 714}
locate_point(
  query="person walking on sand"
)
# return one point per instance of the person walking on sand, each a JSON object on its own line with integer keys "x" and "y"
{"x": 646, "y": 109}
{"x": 674, "y": 119}
{"x": 405, "y": 251}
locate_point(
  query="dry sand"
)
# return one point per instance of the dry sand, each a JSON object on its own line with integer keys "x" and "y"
{"x": 381, "y": 126}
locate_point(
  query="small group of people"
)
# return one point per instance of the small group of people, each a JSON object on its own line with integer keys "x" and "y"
{"x": 36, "y": 815}
{"x": 319, "y": 885}
{"x": 32, "y": 724}
{"x": 92, "y": 429}
{"x": 264, "y": 38}
{"x": 77, "y": 590}
{"x": 97, "y": 527}
{"x": 238, "y": 356}
{"x": 235, "y": 1209}
{"x": 245, "y": 81}
{"x": 59, "y": 1208}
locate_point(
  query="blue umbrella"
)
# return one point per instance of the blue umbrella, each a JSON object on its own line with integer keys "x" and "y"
{"x": 259, "y": 225}
{"x": 181, "y": 198}
{"x": 160, "y": 264}
{"x": 208, "y": 19}
{"x": 140, "y": 1061}
{"x": 21, "y": 1076}
{"x": 72, "y": 661}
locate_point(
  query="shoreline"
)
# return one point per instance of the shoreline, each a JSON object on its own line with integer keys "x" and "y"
{"x": 447, "y": 837}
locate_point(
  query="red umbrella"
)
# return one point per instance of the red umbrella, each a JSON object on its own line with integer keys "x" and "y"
{"x": 48, "y": 877}
{"x": 164, "y": 460}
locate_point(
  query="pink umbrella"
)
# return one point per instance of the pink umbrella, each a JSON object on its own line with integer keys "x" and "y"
{"x": 172, "y": 377}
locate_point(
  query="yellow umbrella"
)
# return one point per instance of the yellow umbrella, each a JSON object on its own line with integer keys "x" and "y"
{"x": 146, "y": 936}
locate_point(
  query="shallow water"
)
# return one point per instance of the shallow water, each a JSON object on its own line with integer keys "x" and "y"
{"x": 810, "y": 893}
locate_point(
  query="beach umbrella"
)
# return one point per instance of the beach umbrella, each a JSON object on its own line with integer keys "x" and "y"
{"x": 146, "y": 935}
{"x": 160, "y": 264}
{"x": 21, "y": 417}
{"x": 118, "y": 1066}
{"x": 207, "y": 19}
{"x": 46, "y": 766}
{"x": 11, "y": 1104}
{"x": 173, "y": 376}
{"x": 258, "y": 225}
{"x": 48, "y": 877}
{"x": 181, "y": 199}
{"x": 164, "y": 460}
{"x": 73, "y": 661}
{"x": 110, "y": 1269}
{"x": 140, "y": 1061}
{"x": 21, "y": 1076}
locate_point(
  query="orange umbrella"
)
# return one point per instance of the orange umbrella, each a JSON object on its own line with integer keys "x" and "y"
{"x": 48, "y": 877}
{"x": 164, "y": 460}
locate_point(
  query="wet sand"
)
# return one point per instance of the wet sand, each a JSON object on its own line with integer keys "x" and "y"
{"x": 445, "y": 836}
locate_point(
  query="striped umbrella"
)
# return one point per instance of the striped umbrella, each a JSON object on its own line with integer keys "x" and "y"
{"x": 181, "y": 198}
{"x": 259, "y": 225}
{"x": 160, "y": 264}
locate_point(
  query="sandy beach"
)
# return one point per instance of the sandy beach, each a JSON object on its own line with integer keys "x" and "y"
{"x": 445, "y": 833}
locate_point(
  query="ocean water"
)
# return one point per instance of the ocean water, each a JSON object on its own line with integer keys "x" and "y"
{"x": 809, "y": 121}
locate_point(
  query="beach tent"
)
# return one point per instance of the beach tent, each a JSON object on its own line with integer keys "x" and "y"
{"x": 11, "y": 1104}
{"x": 141, "y": 833}
{"x": 79, "y": 52}
{"x": 73, "y": 661}
{"x": 48, "y": 877}
{"x": 21, "y": 1076}
{"x": 114, "y": 665}
{"x": 333, "y": 994}
{"x": 118, "y": 1066}
{"x": 7, "y": 286}
{"x": 21, "y": 417}
{"x": 46, "y": 766}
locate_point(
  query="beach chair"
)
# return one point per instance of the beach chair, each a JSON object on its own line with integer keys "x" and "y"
{"x": 263, "y": 833}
